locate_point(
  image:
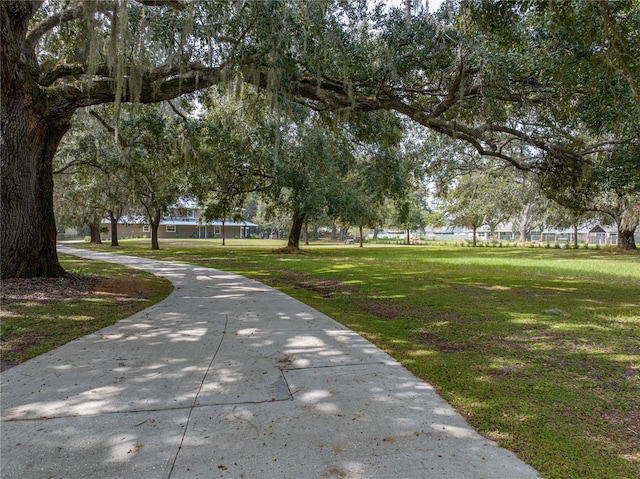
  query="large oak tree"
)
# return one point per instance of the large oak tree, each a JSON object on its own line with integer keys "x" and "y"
{"x": 57, "y": 57}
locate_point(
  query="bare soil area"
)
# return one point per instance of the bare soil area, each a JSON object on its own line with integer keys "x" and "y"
{"x": 49, "y": 290}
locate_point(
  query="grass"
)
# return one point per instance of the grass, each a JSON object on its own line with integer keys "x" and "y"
{"x": 539, "y": 349}
{"x": 46, "y": 321}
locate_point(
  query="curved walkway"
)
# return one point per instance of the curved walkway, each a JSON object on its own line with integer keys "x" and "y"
{"x": 230, "y": 378}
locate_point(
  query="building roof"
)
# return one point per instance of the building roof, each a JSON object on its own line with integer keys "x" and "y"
{"x": 141, "y": 220}
{"x": 198, "y": 222}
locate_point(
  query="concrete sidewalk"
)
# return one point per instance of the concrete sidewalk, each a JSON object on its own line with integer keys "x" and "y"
{"x": 230, "y": 378}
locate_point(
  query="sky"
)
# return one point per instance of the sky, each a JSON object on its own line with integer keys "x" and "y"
{"x": 433, "y": 4}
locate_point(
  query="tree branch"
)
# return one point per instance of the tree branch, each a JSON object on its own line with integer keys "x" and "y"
{"x": 65, "y": 15}
{"x": 160, "y": 85}
{"x": 453, "y": 94}
{"x": 49, "y": 77}
{"x": 177, "y": 111}
{"x": 75, "y": 163}
{"x": 103, "y": 122}
{"x": 163, "y": 3}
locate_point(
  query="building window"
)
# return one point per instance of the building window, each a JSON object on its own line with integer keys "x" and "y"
{"x": 216, "y": 230}
{"x": 171, "y": 228}
{"x": 146, "y": 228}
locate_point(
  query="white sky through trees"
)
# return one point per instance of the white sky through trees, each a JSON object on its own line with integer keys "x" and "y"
{"x": 434, "y": 5}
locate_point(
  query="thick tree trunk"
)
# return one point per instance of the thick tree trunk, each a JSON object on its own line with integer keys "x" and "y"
{"x": 29, "y": 137}
{"x": 361, "y": 238}
{"x": 475, "y": 236}
{"x": 28, "y": 244}
{"x": 114, "y": 230}
{"x": 296, "y": 230}
{"x": 94, "y": 231}
{"x": 408, "y": 236}
{"x": 626, "y": 239}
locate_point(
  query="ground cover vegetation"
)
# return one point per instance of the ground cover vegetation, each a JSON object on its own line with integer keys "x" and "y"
{"x": 539, "y": 349}
{"x": 545, "y": 87}
{"x": 40, "y": 314}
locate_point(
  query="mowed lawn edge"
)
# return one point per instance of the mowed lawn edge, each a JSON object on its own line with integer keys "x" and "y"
{"x": 538, "y": 349}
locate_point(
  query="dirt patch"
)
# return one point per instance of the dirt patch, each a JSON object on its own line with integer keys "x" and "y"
{"x": 289, "y": 250}
{"x": 72, "y": 286}
{"x": 442, "y": 345}
{"x": 46, "y": 290}
{"x": 326, "y": 288}
{"x": 390, "y": 310}
{"x": 383, "y": 309}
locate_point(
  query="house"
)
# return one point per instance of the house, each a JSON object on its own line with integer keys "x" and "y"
{"x": 586, "y": 234}
{"x": 184, "y": 221}
{"x": 509, "y": 232}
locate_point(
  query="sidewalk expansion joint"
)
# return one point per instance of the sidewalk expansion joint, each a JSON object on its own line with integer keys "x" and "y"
{"x": 172, "y": 463}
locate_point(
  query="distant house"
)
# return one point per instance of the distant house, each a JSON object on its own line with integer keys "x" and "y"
{"x": 586, "y": 234}
{"x": 183, "y": 222}
{"x": 508, "y": 232}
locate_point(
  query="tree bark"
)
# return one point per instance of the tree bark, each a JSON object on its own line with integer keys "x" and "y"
{"x": 626, "y": 238}
{"x": 626, "y": 224}
{"x": 524, "y": 224}
{"x": 154, "y": 221}
{"x": 296, "y": 230}
{"x": 94, "y": 231}
{"x": 29, "y": 142}
{"x": 361, "y": 237}
{"x": 475, "y": 240}
{"x": 29, "y": 138}
{"x": 155, "y": 245}
{"x": 114, "y": 230}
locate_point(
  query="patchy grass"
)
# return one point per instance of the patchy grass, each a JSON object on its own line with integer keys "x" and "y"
{"x": 39, "y": 315}
{"x": 538, "y": 349}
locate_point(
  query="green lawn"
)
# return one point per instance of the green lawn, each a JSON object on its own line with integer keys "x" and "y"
{"x": 539, "y": 349}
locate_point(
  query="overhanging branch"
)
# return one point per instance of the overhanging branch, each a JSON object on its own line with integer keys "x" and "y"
{"x": 163, "y": 3}
{"x": 48, "y": 23}
{"x": 159, "y": 85}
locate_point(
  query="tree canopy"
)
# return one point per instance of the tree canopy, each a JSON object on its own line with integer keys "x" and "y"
{"x": 549, "y": 87}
